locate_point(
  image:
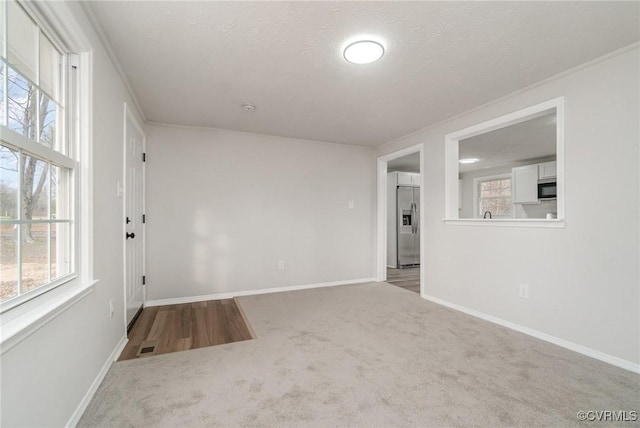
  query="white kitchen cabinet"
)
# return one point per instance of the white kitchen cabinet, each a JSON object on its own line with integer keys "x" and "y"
{"x": 524, "y": 184}
{"x": 405, "y": 179}
{"x": 408, "y": 179}
{"x": 547, "y": 170}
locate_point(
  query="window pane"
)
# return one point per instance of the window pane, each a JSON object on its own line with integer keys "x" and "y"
{"x": 35, "y": 197}
{"x": 55, "y": 173}
{"x": 8, "y": 184}
{"x": 60, "y": 191}
{"x": 2, "y": 4}
{"x": 22, "y": 103}
{"x": 484, "y": 206}
{"x": 50, "y": 68}
{"x": 35, "y": 256}
{"x": 49, "y": 117}
{"x": 503, "y": 206}
{"x": 22, "y": 40}
{"x": 495, "y": 188}
{"x": 488, "y": 205}
{"x": 8, "y": 261}
{"x": 2, "y": 110}
{"x": 500, "y": 206}
{"x": 495, "y": 197}
{"x": 60, "y": 250}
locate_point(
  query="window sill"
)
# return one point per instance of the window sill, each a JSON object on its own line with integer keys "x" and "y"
{"x": 507, "y": 222}
{"x": 19, "y": 323}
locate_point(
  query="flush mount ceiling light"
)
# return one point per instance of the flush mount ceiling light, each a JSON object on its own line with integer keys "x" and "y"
{"x": 363, "y": 52}
{"x": 249, "y": 107}
{"x": 469, "y": 160}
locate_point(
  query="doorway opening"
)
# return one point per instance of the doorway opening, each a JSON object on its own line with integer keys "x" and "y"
{"x": 400, "y": 219}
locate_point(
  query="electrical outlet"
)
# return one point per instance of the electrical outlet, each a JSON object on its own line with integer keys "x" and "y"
{"x": 111, "y": 310}
{"x": 280, "y": 264}
{"x": 524, "y": 291}
{"x": 351, "y": 205}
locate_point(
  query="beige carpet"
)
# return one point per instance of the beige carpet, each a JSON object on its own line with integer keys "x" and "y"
{"x": 369, "y": 355}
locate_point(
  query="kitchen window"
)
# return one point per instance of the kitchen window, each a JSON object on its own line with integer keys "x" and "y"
{"x": 37, "y": 163}
{"x": 493, "y": 198}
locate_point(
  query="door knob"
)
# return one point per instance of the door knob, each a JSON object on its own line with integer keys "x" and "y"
{"x": 131, "y": 235}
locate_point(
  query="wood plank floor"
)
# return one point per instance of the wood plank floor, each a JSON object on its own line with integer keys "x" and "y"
{"x": 408, "y": 278}
{"x": 172, "y": 328}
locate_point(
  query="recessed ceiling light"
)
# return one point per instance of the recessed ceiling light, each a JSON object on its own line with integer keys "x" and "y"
{"x": 363, "y": 52}
{"x": 469, "y": 160}
{"x": 249, "y": 107}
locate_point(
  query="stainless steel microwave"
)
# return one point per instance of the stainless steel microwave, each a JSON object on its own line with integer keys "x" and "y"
{"x": 547, "y": 190}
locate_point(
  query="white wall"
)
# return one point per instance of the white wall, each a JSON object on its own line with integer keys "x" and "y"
{"x": 45, "y": 377}
{"x": 583, "y": 279}
{"x": 225, "y": 206}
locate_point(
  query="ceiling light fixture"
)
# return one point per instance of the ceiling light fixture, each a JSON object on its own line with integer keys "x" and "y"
{"x": 363, "y": 52}
{"x": 249, "y": 107}
{"x": 469, "y": 160}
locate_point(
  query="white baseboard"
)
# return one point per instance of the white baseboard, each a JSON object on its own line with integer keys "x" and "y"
{"x": 77, "y": 414}
{"x": 232, "y": 294}
{"x": 610, "y": 359}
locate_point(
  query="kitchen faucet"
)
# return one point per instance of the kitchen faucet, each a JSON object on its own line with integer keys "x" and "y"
{"x": 485, "y": 214}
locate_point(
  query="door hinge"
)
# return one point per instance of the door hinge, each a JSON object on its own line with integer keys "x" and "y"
{"x": 144, "y": 218}
{"x": 144, "y": 157}
{"x": 144, "y": 279}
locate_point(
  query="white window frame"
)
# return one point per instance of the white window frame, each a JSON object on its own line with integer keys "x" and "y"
{"x": 451, "y": 141}
{"x": 59, "y": 23}
{"x": 28, "y": 147}
{"x": 476, "y": 193}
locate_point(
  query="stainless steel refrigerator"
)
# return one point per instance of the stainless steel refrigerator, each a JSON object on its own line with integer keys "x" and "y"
{"x": 407, "y": 225}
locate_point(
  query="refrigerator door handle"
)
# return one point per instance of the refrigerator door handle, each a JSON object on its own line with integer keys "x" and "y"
{"x": 416, "y": 221}
{"x": 413, "y": 218}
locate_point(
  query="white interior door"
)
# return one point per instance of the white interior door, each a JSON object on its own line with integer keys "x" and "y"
{"x": 134, "y": 220}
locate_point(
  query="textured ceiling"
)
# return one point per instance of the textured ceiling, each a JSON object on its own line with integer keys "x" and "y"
{"x": 408, "y": 163}
{"x": 531, "y": 139}
{"x": 196, "y": 63}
